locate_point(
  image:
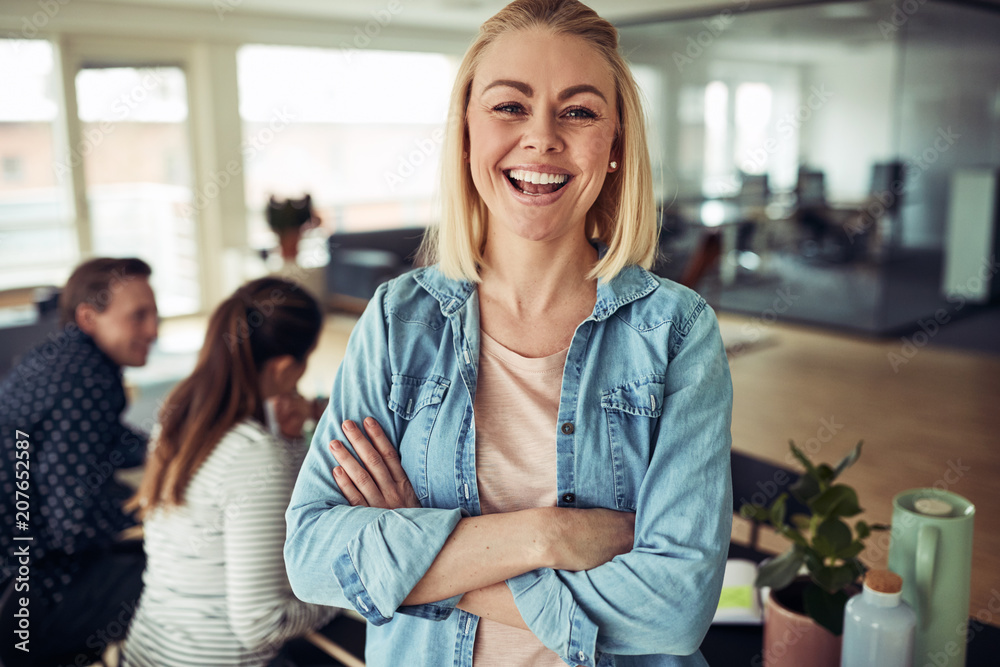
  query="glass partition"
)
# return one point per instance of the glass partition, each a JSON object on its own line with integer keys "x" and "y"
{"x": 807, "y": 153}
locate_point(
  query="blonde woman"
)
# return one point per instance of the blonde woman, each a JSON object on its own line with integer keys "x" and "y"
{"x": 541, "y": 476}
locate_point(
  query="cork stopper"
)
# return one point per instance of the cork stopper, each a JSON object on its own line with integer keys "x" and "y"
{"x": 884, "y": 581}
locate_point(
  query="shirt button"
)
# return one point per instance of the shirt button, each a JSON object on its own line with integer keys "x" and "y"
{"x": 582, "y": 656}
{"x": 567, "y": 428}
{"x": 569, "y": 498}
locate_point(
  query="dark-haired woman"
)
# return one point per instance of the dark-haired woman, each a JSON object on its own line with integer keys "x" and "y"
{"x": 216, "y": 485}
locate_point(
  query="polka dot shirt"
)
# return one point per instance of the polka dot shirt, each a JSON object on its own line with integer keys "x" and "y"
{"x": 67, "y": 396}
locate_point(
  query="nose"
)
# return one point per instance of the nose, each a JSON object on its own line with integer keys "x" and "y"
{"x": 152, "y": 327}
{"x": 541, "y": 133}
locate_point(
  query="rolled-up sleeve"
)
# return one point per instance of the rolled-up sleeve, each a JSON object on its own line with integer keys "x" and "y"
{"x": 660, "y": 597}
{"x": 361, "y": 557}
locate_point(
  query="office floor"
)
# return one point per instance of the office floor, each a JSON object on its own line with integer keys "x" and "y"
{"x": 928, "y": 417}
{"x": 886, "y": 296}
{"x": 930, "y": 421}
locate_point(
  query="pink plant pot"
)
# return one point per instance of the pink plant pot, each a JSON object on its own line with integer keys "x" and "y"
{"x": 792, "y": 639}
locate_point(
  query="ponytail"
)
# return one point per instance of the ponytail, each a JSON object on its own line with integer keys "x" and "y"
{"x": 264, "y": 319}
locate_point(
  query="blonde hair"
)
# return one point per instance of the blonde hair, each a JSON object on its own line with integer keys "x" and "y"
{"x": 623, "y": 217}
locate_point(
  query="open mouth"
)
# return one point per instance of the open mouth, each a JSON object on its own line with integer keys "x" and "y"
{"x": 534, "y": 182}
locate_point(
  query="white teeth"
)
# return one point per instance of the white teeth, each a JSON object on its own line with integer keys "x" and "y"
{"x": 536, "y": 177}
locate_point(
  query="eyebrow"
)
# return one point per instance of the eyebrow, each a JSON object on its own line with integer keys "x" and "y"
{"x": 564, "y": 95}
{"x": 582, "y": 88}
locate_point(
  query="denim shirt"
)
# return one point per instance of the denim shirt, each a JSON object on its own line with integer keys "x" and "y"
{"x": 643, "y": 426}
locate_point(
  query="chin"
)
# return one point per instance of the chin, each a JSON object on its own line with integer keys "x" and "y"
{"x": 138, "y": 359}
{"x": 536, "y": 229}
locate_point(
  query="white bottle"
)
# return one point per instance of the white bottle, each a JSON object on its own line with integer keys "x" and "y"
{"x": 878, "y": 625}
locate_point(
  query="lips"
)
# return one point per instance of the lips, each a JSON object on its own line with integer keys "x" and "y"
{"x": 536, "y": 183}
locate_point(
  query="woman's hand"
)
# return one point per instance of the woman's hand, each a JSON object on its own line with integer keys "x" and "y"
{"x": 378, "y": 480}
{"x": 586, "y": 538}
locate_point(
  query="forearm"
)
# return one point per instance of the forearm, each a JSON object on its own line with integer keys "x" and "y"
{"x": 496, "y": 603}
{"x": 484, "y": 550}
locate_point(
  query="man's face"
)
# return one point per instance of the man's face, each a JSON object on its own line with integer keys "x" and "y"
{"x": 127, "y": 327}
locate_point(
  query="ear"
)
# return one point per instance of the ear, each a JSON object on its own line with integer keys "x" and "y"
{"x": 86, "y": 318}
{"x": 616, "y": 154}
{"x": 284, "y": 367}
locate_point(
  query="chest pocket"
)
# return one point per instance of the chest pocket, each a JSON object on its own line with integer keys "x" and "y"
{"x": 632, "y": 412}
{"x": 415, "y": 402}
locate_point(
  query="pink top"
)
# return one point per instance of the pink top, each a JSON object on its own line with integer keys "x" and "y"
{"x": 517, "y": 405}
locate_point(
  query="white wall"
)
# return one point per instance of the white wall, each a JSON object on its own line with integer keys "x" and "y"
{"x": 853, "y": 128}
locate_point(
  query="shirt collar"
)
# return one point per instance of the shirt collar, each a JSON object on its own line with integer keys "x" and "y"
{"x": 87, "y": 341}
{"x": 630, "y": 284}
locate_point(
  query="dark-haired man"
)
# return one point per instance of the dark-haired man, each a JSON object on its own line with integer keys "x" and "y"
{"x": 62, "y": 441}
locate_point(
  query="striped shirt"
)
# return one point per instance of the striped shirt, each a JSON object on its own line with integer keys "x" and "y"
{"x": 215, "y": 590}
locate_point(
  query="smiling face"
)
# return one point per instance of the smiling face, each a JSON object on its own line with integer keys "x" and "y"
{"x": 541, "y": 122}
{"x": 127, "y": 327}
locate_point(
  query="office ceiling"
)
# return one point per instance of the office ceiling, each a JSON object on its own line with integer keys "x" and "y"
{"x": 454, "y": 14}
{"x": 448, "y": 24}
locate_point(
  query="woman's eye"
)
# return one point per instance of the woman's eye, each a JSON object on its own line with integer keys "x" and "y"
{"x": 510, "y": 108}
{"x": 581, "y": 112}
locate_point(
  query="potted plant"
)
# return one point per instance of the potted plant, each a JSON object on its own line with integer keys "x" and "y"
{"x": 288, "y": 219}
{"x": 828, "y": 547}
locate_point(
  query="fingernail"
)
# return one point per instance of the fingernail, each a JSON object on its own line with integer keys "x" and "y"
{"x": 336, "y": 445}
{"x": 369, "y": 422}
{"x": 349, "y": 426}
{"x": 338, "y": 471}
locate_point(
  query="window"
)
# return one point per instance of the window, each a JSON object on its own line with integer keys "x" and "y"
{"x": 752, "y": 144}
{"x": 360, "y": 131}
{"x": 134, "y": 145}
{"x": 718, "y": 175}
{"x": 751, "y": 127}
{"x": 38, "y": 243}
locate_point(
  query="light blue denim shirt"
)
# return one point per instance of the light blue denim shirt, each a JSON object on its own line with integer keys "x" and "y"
{"x": 643, "y": 426}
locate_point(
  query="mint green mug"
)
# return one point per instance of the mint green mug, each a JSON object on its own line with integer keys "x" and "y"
{"x": 931, "y": 549}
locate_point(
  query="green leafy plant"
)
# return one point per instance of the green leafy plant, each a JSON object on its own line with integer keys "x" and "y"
{"x": 822, "y": 540}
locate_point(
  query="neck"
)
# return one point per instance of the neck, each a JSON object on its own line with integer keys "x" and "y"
{"x": 532, "y": 277}
{"x": 88, "y": 338}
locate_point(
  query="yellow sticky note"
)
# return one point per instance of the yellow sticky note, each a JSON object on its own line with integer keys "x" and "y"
{"x": 736, "y": 596}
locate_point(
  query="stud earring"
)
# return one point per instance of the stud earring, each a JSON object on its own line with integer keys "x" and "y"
{"x": 614, "y": 165}
{"x": 465, "y": 155}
